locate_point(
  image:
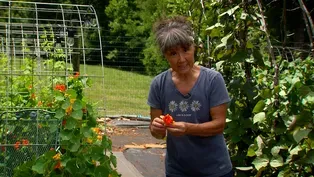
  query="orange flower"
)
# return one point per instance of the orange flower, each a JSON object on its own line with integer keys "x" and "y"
{"x": 40, "y": 103}
{"x": 30, "y": 86}
{"x": 168, "y": 120}
{"x": 25, "y": 142}
{"x": 33, "y": 96}
{"x": 90, "y": 141}
{"x": 72, "y": 101}
{"x": 49, "y": 104}
{"x": 52, "y": 149}
{"x": 64, "y": 122}
{"x": 57, "y": 156}
{"x": 17, "y": 145}
{"x": 69, "y": 110}
{"x": 60, "y": 87}
{"x": 76, "y": 75}
{"x": 96, "y": 130}
{"x": 99, "y": 137}
{"x": 58, "y": 165}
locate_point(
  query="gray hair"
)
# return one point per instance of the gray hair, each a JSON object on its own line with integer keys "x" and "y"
{"x": 176, "y": 31}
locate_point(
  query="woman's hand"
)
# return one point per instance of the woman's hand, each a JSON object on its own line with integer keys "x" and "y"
{"x": 158, "y": 128}
{"x": 177, "y": 128}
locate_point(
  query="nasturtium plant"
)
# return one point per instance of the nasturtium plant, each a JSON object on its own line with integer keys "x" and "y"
{"x": 84, "y": 149}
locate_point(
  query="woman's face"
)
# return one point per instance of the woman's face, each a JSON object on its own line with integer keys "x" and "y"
{"x": 181, "y": 59}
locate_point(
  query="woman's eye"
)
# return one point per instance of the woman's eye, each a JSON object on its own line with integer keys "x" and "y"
{"x": 173, "y": 53}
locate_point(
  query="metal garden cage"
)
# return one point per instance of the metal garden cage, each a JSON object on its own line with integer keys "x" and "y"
{"x": 41, "y": 43}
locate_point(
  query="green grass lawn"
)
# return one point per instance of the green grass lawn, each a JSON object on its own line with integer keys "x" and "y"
{"x": 119, "y": 92}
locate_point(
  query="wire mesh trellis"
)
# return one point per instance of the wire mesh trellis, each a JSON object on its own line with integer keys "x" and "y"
{"x": 41, "y": 45}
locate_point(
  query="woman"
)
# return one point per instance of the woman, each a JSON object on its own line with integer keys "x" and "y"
{"x": 196, "y": 97}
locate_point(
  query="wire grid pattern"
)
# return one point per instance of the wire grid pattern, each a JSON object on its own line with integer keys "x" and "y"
{"x": 25, "y": 134}
{"x": 41, "y": 44}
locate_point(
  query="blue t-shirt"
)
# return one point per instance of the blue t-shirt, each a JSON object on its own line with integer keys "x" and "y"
{"x": 192, "y": 156}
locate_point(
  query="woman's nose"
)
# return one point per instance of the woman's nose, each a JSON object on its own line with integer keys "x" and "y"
{"x": 181, "y": 56}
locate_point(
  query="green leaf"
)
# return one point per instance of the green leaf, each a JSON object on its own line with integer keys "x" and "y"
{"x": 230, "y": 11}
{"x": 243, "y": 15}
{"x": 219, "y": 64}
{"x": 60, "y": 113}
{"x": 87, "y": 132}
{"x": 71, "y": 93}
{"x": 300, "y": 134}
{"x": 73, "y": 147}
{"x": 115, "y": 174}
{"x": 89, "y": 109}
{"x": 260, "y": 144}
{"x": 66, "y": 104}
{"x": 70, "y": 123}
{"x": 284, "y": 173}
{"x": 309, "y": 157}
{"x": 58, "y": 96}
{"x": 259, "y": 106}
{"x": 77, "y": 105}
{"x": 53, "y": 128}
{"x": 113, "y": 160}
{"x": 276, "y": 161}
{"x": 275, "y": 150}
{"x": 266, "y": 93}
{"x": 249, "y": 45}
{"x": 72, "y": 167}
{"x": 66, "y": 134}
{"x": 240, "y": 56}
{"x": 258, "y": 57}
{"x": 309, "y": 99}
{"x": 101, "y": 171}
{"x": 244, "y": 168}
{"x": 224, "y": 41}
{"x": 259, "y": 117}
{"x": 251, "y": 150}
{"x": 39, "y": 166}
{"x": 77, "y": 114}
{"x": 215, "y": 30}
{"x": 296, "y": 150}
{"x": 304, "y": 90}
{"x": 235, "y": 139}
{"x": 260, "y": 162}
{"x": 287, "y": 120}
{"x": 311, "y": 135}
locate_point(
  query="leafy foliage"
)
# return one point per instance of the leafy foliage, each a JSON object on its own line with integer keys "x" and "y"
{"x": 84, "y": 150}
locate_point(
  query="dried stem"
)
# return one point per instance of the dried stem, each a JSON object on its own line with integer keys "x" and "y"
{"x": 284, "y": 29}
{"x": 243, "y": 41}
{"x": 272, "y": 56}
{"x": 308, "y": 29}
{"x": 308, "y": 22}
{"x": 270, "y": 47}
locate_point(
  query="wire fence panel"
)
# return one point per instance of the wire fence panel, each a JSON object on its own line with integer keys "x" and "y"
{"x": 25, "y": 134}
{"x": 42, "y": 47}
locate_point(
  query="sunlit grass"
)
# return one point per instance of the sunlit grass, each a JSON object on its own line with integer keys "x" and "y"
{"x": 119, "y": 92}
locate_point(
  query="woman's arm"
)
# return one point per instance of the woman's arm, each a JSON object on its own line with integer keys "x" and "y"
{"x": 214, "y": 127}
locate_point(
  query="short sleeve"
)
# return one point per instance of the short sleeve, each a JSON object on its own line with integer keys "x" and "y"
{"x": 154, "y": 95}
{"x": 218, "y": 92}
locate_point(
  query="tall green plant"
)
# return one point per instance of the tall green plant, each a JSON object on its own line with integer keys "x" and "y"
{"x": 84, "y": 149}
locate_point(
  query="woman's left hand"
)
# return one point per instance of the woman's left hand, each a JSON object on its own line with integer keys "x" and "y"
{"x": 177, "y": 128}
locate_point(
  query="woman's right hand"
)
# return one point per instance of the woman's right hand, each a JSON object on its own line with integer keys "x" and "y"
{"x": 158, "y": 128}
